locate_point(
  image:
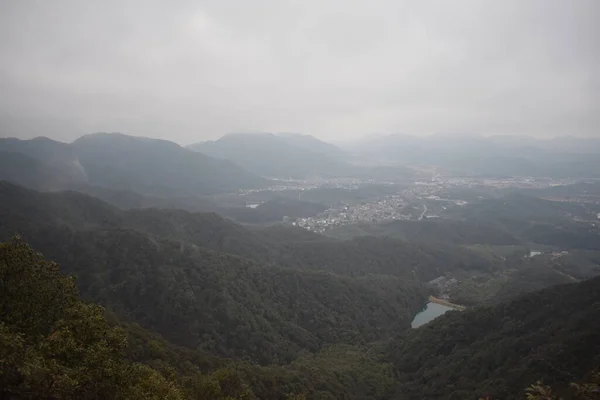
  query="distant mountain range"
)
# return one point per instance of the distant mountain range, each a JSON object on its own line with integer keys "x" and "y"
{"x": 279, "y": 156}
{"x": 161, "y": 168}
{"x": 293, "y": 156}
{"x": 40, "y": 163}
{"x": 311, "y": 143}
{"x": 132, "y": 172}
{"x": 120, "y": 162}
{"x": 488, "y": 156}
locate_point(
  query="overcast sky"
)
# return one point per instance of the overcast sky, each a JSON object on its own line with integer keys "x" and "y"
{"x": 194, "y": 70}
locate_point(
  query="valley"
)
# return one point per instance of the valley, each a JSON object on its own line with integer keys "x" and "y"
{"x": 299, "y": 200}
{"x": 322, "y": 287}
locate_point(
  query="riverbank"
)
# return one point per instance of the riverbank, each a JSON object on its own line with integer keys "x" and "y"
{"x": 434, "y": 299}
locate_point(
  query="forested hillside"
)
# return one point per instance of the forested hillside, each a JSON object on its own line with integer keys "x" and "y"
{"x": 383, "y": 255}
{"x": 268, "y": 155}
{"x": 52, "y": 345}
{"x": 196, "y": 294}
{"x": 298, "y": 312}
{"x": 24, "y": 170}
{"x": 366, "y": 255}
{"x": 117, "y": 162}
{"x": 433, "y": 235}
{"x": 59, "y": 159}
{"x": 447, "y": 232}
{"x": 554, "y": 223}
{"x": 126, "y": 162}
{"x": 293, "y": 156}
{"x": 552, "y": 335}
{"x": 497, "y": 352}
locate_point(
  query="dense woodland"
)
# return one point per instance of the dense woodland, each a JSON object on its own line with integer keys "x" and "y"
{"x": 54, "y": 345}
{"x": 551, "y": 335}
{"x": 199, "y": 296}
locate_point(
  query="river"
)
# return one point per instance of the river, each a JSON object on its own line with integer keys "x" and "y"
{"x": 431, "y": 312}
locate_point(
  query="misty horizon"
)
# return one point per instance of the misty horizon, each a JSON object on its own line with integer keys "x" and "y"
{"x": 342, "y": 143}
{"x": 194, "y": 71}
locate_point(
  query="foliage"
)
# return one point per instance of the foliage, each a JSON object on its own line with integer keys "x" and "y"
{"x": 52, "y": 345}
{"x": 431, "y": 231}
{"x": 535, "y": 220}
{"x": 223, "y": 384}
{"x": 336, "y": 372}
{"x": 382, "y": 255}
{"x": 589, "y": 390}
{"x": 224, "y": 304}
{"x": 297, "y": 313}
{"x": 552, "y": 334}
{"x": 538, "y": 391}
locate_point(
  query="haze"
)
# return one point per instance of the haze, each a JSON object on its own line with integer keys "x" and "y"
{"x": 194, "y": 70}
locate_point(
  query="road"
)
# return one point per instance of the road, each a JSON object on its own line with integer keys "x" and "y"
{"x": 423, "y": 213}
{"x": 458, "y": 307}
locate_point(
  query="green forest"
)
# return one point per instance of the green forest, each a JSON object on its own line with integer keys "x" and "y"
{"x": 54, "y": 345}
{"x": 174, "y": 304}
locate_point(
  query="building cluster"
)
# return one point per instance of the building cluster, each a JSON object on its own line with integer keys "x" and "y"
{"x": 387, "y": 208}
{"x": 424, "y": 199}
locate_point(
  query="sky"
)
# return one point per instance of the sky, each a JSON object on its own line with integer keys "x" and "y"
{"x": 194, "y": 70}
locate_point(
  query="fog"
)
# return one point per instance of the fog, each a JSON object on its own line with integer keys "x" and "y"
{"x": 195, "y": 70}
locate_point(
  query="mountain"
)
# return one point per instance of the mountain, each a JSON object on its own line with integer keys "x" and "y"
{"x": 22, "y": 209}
{"x": 40, "y": 163}
{"x": 27, "y": 171}
{"x": 296, "y": 312}
{"x": 562, "y": 224}
{"x": 571, "y": 144}
{"x": 431, "y": 231}
{"x": 268, "y": 155}
{"x": 497, "y": 156}
{"x": 269, "y": 212}
{"x": 53, "y": 345}
{"x": 551, "y": 335}
{"x": 45, "y": 150}
{"x": 366, "y": 255}
{"x": 159, "y": 167}
{"x": 120, "y": 163}
{"x": 313, "y": 144}
{"x": 293, "y": 156}
{"x": 174, "y": 273}
{"x": 127, "y": 199}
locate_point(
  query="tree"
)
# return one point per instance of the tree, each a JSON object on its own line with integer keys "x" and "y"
{"x": 52, "y": 345}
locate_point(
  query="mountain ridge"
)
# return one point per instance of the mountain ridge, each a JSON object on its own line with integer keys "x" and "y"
{"x": 122, "y": 162}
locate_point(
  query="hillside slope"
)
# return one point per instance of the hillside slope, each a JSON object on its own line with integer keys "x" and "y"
{"x": 193, "y": 292}
{"x": 53, "y": 345}
{"x": 271, "y": 156}
{"x": 40, "y": 163}
{"x": 313, "y": 144}
{"x": 119, "y": 162}
{"x": 551, "y": 335}
{"x": 151, "y": 166}
{"x": 357, "y": 257}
